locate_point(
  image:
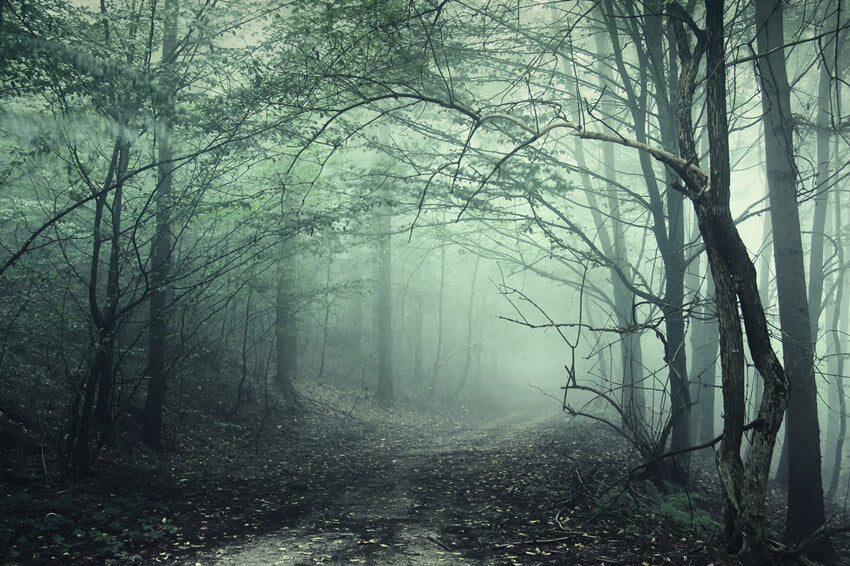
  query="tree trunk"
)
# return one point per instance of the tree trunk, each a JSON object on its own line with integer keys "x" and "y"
{"x": 669, "y": 237}
{"x": 764, "y": 278}
{"x": 837, "y": 402}
{"x": 286, "y": 337}
{"x": 108, "y": 332}
{"x": 840, "y": 326}
{"x": 384, "y": 394}
{"x": 155, "y": 372}
{"x": 632, "y": 399}
{"x": 91, "y": 406}
{"x": 805, "y": 489}
{"x": 823, "y": 185}
{"x": 704, "y": 345}
{"x": 672, "y": 246}
{"x": 286, "y": 341}
{"x": 418, "y": 367}
{"x": 744, "y": 485}
{"x": 439, "y": 349}
{"x": 326, "y": 318}
{"x": 357, "y": 326}
{"x": 467, "y": 360}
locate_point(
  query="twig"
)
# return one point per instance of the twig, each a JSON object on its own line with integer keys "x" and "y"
{"x": 439, "y": 543}
{"x": 571, "y": 535}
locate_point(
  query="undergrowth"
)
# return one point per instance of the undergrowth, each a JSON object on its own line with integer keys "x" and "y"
{"x": 638, "y": 499}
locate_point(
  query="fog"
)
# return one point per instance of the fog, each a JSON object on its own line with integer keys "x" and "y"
{"x": 411, "y": 282}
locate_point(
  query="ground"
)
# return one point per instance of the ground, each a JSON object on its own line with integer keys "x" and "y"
{"x": 347, "y": 482}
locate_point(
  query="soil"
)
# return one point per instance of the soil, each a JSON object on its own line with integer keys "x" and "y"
{"x": 348, "y": 482}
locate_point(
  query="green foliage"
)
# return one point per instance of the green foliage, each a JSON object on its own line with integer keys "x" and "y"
{"x": 646, "y": 498}
{"x": 111, "y": 531}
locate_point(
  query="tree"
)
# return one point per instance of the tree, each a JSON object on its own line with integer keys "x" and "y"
{"x": 633, "y": 397}
{"x": 805, "y": 490}
{"x": 286, "y": 329}
{"x": 161, "y": 250}
{"x": 384, "y": 310}
{"x": 97, "y": 76}
{"x": 667, "y": 217}
{"x": 704, "y": 341}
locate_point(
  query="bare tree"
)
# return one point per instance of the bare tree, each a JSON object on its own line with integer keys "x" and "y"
{"x": 805, "y": 489}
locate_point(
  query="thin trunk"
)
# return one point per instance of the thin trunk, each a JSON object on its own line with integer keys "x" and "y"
{"x": 286, "y": 335}
{"x": 823, "y": 184}
{"x": 840, "y": 326}
{"x": 838, "y": 403}
{"x": 105, "y": 382}
{"x": 98, "y": 383}
{"x": 244, "y": 368}
{"x": 324, "y": 348}
{"x": 160, "y": 258}
{"x": 384, "y": 393}
{"x": 669, "y": 239}
{"x": 467, "y": 361}
{"x": 672, "y": 246}
{"x": 632, "y": 399}
{"x": 357, "y": 329}
{"x": 418, "y": 367}
{"x": 704, "y": 345}
{"x": 439, "y": 350}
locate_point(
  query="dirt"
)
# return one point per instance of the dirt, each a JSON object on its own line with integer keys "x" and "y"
{"x": 468, "y": 490}
{"x": 419, "y": 498}
{"x": 348, "y": 482}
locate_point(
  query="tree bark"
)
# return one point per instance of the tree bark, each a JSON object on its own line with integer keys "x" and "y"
{"x": 838, "y": 401}
{"x": 805, "y": 489}
{"x": 704, "y": 346}
{"x": 467, "y": 358}
{"x": 744, "y": 484}
{"x": 91, "y": 406}
{"x": 384, "y": 393}
{"x": 418, "y": 367}
{"x": 160, "y": 268}
{"x": 840, "y": 325}
{"x": 663, "y": 71}
{"x": 632, "y": 399}
{"x": 667, "y": 217}
{"x": 286, "y": 339}
{"x": 326, "y": 318}
{"x": 439, "y": 348}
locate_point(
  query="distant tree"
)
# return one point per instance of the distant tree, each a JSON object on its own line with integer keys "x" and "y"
{"x": 666, "y": 210}
{"x": 384, "y": 307}
{"x": 468, "y": 346}
{"x": 286, "y": 325}
{"x": 438, "y": 349}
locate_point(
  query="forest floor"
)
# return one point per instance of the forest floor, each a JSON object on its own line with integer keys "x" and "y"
{"x": 348, "y": 482}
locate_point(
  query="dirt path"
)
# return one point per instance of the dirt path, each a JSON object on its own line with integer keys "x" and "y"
{"x": 347, "y": 482}
{"x": 436, "y": 495}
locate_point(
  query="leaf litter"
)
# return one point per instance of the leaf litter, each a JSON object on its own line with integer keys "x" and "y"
{"x": 381, "y": 487}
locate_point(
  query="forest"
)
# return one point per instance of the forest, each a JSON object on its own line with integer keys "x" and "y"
{"x": 512, "y": 282}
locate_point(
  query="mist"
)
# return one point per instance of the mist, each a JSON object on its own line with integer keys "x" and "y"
{"x": 388, "y": 282}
